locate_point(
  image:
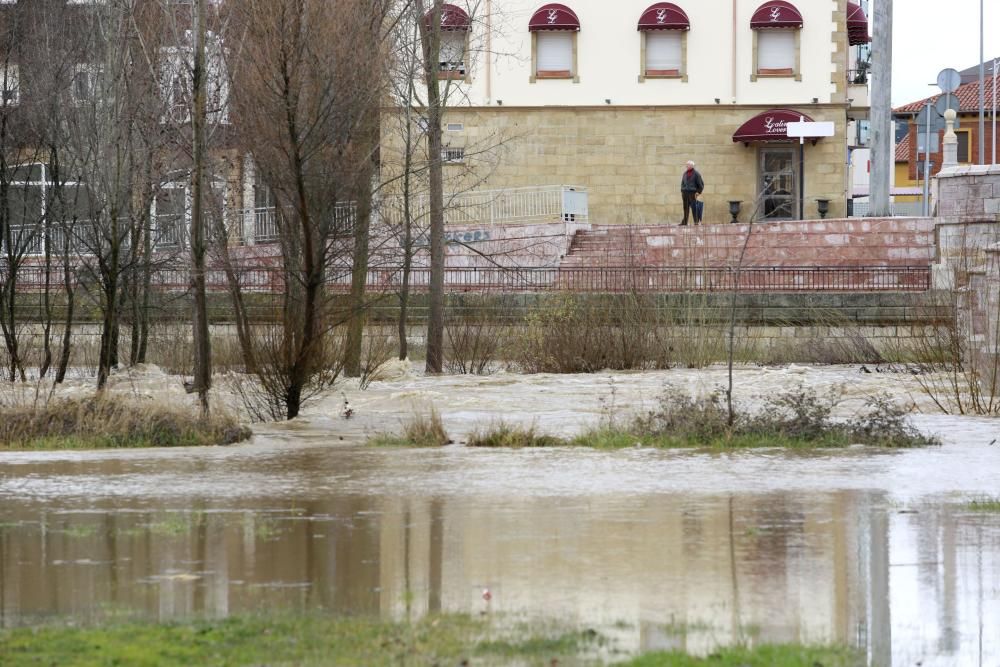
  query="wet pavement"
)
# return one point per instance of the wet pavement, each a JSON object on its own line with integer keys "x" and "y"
{"x": 654, "y": 549}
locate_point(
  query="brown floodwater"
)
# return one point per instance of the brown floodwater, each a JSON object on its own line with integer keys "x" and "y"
{"x": 653, "y": 549}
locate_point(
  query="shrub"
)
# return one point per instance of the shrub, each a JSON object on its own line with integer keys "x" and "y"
{"x": 503, "y": 434}
{"x": 419, "y": 431}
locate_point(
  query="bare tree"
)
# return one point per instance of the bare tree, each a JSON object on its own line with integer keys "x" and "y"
{"x": 430, "y": 43}
{"x": 303, "y": 92}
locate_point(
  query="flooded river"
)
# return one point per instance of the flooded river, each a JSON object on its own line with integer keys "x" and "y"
{"x": 653, "y": 549}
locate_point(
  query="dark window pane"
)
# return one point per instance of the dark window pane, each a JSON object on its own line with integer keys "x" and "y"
{"x": 963, "y": 147}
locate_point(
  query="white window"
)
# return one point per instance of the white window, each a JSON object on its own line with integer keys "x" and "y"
{"x": 663, "y": 53}
{"x": 555, "y": 53}
{"x": 176, "y": 83}
{"x": 10, "y": 86}
{"x": 776, "y": 52}
{"x": 40, "y": 210}
{"x": 452, "y": 53}
{"x": 84, "y": 86}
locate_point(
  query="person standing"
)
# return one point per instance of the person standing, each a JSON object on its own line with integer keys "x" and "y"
{"x": 691, "y": 187}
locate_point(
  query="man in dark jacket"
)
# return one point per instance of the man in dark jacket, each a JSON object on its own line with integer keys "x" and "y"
{"x": 691, "y": 186}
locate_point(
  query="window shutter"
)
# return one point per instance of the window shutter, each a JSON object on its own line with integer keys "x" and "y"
{"x": 663, "y": 52}
{"x": 555, "y": 51}
{"x": 776, "y": 51}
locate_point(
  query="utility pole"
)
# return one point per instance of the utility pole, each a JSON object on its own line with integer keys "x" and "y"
{"x": 982, "y": 90}
{"x": 883, "y": 141}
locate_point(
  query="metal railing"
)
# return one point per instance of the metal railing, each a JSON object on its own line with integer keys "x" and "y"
{"x": 564, "y": 203}
{"x": 754, "y": 279}
{"x": 261, "y": 225}
{"x": 904, "y": 209}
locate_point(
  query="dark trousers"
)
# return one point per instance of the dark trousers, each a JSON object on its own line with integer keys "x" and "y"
{"x": 689, "y": 199}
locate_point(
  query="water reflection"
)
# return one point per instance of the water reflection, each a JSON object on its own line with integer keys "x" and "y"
{"x": 660, "y": 570}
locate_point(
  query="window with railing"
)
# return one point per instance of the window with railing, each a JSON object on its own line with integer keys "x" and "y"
{"x": 44, "y": 212}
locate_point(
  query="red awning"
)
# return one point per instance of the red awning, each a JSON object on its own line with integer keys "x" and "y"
{"x": 769, "y": 126}
{"x": 857, "y": 25}
{"x": 776, "y": 14}
{"x": 664, "y": 16}
{"x": 553, "y": 16}
{"x": 452, "y": 18}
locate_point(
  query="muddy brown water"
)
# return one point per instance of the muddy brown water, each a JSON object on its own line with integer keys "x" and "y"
{"x": 654, "y": 549}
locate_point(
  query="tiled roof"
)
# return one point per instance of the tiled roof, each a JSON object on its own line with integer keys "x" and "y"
{"x": 903, "y": 149}
{"x": 968, "y": 97}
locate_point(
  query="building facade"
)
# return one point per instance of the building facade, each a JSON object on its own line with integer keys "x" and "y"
{"x": 616, "y": 97}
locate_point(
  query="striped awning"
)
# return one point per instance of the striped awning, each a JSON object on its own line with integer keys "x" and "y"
{"x": 857, "y": 25}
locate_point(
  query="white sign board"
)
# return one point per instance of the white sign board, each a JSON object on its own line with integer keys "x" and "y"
{"x": 810, "y": 130}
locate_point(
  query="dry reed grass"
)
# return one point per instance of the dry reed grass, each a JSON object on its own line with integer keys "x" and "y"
{"x": 420, "y": 430}
{"x": 111, "y": 422}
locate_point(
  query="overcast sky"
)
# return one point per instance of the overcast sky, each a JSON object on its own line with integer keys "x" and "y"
{"x": 930, "y": 35}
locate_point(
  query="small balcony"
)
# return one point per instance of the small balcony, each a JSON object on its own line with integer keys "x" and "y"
{"x": 858, "y": 95}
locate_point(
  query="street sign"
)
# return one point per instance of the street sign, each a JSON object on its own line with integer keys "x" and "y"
{"x": 946, "y": 102}
{"x": 810, "y": 130}
{"x": 922, "y": 139}
{"x": 948, "y": 80}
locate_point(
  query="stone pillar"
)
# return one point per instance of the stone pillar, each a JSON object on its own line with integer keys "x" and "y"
{"x": 950, "y": 141}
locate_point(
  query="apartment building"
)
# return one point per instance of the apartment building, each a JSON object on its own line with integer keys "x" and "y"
{"x": 617, "y": 96}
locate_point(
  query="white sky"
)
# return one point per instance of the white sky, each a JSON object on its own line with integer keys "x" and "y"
{"x": 930, "y": 35}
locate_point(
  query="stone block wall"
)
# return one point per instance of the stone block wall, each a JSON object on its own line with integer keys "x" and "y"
{"x": 968, "y": 193}
{"x": 631, "y": 158}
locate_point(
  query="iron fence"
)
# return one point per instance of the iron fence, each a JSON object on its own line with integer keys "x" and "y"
{"x": 272, "y": 280}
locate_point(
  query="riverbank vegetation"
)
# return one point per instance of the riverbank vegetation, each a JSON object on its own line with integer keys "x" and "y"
{"x": 101, "y": 422}
{"x": 799, "y": 419}
{"x": 985, "y": 504}
{"x": 325, "y": 640}
{"x": 419, "y": 431}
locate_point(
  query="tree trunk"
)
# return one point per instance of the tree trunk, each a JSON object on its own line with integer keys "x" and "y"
{"x": 202, "y": 345}
{"x": 431, "y": 42}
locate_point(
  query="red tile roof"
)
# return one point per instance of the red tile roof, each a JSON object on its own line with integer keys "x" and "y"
{"x": 903, "y": 149}
{"x": 968, "y": 97}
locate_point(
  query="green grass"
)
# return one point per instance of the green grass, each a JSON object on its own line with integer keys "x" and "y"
{"x": 299, "y": 640}
{"x": 787, "y": 655}
{"x": 107, "y": 423}
{"x": 313, "y": 639}
{"x": 984, "y": 505}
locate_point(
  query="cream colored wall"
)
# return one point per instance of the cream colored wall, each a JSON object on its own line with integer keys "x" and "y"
{"x": 609, "y": 62}
{"x": 631, "y": 159}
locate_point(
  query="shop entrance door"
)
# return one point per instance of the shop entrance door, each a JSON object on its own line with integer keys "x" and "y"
{"x": 777, "y": 183}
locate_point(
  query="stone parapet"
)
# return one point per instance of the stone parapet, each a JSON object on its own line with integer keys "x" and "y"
{"x": 870, "y": 242}
{"x": 968, "y": 193}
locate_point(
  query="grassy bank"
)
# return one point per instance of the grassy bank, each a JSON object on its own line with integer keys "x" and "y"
{"x": 989, "y": 505}
{"x": 799, "y": 419}
{"x": 323, "y": 640}
{"x": 785, "y": 655}
{"x": 105, "y": 422}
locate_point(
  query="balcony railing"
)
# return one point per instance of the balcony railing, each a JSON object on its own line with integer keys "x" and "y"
{"x": 562, "y": 203}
